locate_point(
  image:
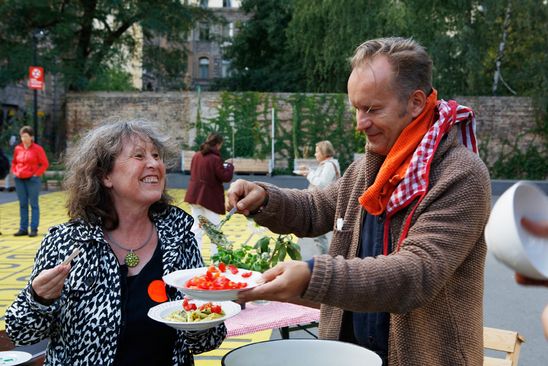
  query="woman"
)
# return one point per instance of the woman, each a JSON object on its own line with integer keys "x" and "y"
{"x": 205, "y": 191}
{"x": 28, "y": 164}
{"x": 327, "y": 172}
{"x": 95, "y": 310}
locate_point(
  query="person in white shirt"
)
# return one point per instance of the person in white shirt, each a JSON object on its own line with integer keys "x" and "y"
{"x": 327, "y": 172}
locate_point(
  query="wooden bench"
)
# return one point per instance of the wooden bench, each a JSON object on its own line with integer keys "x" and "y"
{"x": 52, "y": 179}
{"x": 505, "y": 341}
{"x": 241, "y": 165}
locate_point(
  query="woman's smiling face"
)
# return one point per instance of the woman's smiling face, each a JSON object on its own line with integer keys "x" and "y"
{"x": 138, "y": 175}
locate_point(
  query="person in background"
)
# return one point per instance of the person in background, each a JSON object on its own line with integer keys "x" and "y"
{"x": 4, "y": 165}
{"x": 327, "y": 172}
{"x": 94, "y": 310}
{"x": 9, "y": 184}
{"x": 405, "y": 272}
{"x": 540, "y": 229}
{"x": 28, "y": 164}
{"x": 205, "y": 191}
{"x": 8, "y": 179}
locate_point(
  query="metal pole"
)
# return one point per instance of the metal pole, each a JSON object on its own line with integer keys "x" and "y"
{"x": 273, "y": 143}
{"x": 232, "y": 125}
{"x": 35, "y": 92}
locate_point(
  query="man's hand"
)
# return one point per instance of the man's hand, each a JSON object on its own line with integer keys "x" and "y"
{"x": 246, "y": 196}
{"x": 285, "y": 282}
{"x": 48, "y": 285}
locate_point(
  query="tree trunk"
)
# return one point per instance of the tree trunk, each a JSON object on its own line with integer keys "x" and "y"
{"x": 502, "y": 44}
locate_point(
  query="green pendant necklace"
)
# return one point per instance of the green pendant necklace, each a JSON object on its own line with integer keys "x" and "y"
{"x": 131, "y": 259}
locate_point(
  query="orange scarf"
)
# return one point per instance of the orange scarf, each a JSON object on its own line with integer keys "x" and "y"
{"x": 376, "y": 197}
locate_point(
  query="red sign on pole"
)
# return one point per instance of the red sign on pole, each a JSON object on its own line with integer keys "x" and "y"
{"x": 36, "y": 77}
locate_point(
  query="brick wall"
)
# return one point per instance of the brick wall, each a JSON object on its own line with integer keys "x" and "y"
{"x": 498, "y": 118}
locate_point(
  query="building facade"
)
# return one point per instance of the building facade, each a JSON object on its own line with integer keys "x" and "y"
{"x": 207, "y": 41}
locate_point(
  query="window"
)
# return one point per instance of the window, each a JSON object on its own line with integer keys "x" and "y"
{"x": 225, "y": 68}
{"x": 204, "y": 3}
{"x": 204, "y": 68}
{"x": 203, "y": 34}
{"x": 228, "y": 30}
{"x": 227, "y": 4}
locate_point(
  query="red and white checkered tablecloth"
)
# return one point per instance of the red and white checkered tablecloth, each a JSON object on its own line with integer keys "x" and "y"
{"x": 270, "y": 315}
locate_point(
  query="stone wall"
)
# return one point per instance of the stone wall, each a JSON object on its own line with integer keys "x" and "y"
{"x": 498, "y": 118}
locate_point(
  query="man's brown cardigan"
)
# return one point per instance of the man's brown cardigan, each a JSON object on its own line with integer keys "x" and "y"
{"x": 432, "y": 287}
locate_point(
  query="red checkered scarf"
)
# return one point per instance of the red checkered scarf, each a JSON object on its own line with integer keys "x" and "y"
{"x": 417, "y": 176}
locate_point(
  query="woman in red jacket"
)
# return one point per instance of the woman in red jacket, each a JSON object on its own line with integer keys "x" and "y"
{"x": 28, "y": 164}
{"x": 205, "y": 190}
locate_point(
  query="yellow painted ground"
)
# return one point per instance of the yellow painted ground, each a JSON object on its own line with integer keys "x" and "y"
{"x": 17, "y": 256}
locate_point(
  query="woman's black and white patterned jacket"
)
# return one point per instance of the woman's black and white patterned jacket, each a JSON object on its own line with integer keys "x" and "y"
{"x": 84, "y": 323}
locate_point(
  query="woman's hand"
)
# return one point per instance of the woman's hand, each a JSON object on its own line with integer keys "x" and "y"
{"x": 538, "y": 228}
{"x": 246, "y": 196}
{"x": 48, "y": 285}
{"x": 304, "y": 170}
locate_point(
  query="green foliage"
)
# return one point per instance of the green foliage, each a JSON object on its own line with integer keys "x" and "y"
{"x": 463, "y": 37}
{"x": 265, "y": 254}
{"x": 111, "y": 79}
{"x": 168, "y": 65}
{"x": 237, "y": 121}
{"x": 322, "y": 117}
{"x": 83, "y": 38}
{"x": 314, "y": 118}
{"x": 260, "y": 56}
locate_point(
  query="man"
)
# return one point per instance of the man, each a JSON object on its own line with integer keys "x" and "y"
{"x": 404, "y": 274}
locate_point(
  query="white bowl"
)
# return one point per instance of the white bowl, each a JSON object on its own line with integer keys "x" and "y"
{"x": 301, "y": 352}
{"x": 520, "y": 250}
{"x": 179, "y": 278}
{"x": 161, "y": 311}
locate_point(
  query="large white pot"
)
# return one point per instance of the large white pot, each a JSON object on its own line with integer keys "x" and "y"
{"x": 509, "y": 241}
{"x": 301, "y": 352}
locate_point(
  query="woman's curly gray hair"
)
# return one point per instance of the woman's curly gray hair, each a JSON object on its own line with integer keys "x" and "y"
{"x": 93, "y": 158}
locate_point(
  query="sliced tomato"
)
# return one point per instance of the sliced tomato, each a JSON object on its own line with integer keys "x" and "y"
{"x": 246, "y": 274}
{"x": 188, "y": 306}
{"x": 216, "y": 309}
{"x": 232, "y": 268}
{"x": 214, "y": 280}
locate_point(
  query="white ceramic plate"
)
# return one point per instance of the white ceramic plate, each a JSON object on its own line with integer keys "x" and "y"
{"x": 14, "y": 358}
{"x": 161, "y": 311}
{"x": 178, "y": 279}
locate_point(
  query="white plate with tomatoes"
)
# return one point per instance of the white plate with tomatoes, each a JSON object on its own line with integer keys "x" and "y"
{"x": 163, "y": 312}
{"x": 213, "y": 283}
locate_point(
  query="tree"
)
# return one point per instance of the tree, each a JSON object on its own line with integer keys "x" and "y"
{"x": 307, "y": 44}
{"x": 260, "y": 56}
{"x": 86, "y": 38}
